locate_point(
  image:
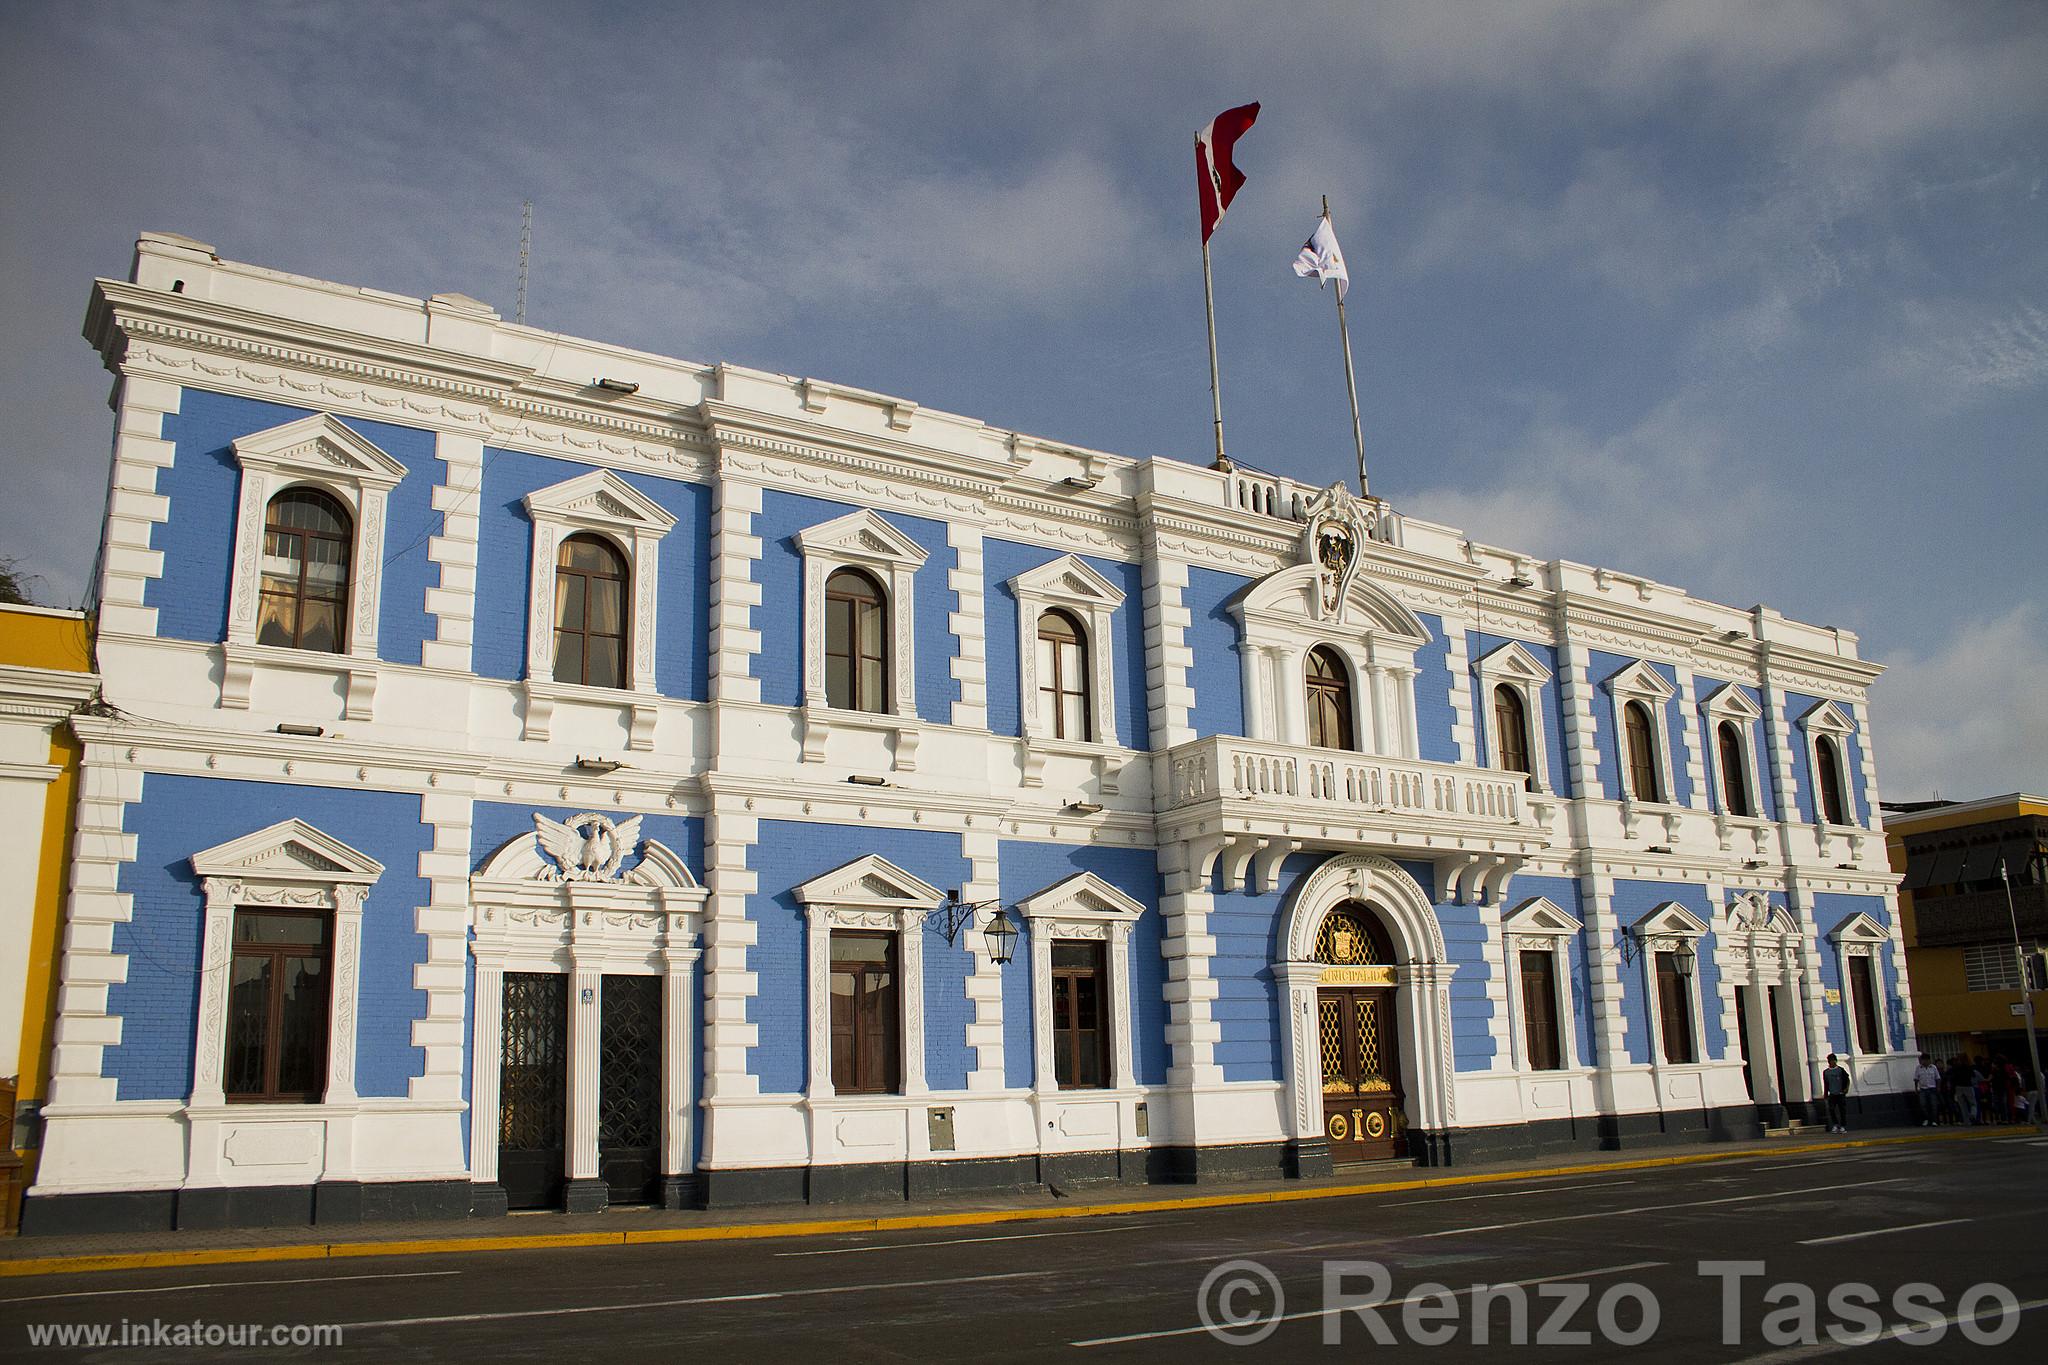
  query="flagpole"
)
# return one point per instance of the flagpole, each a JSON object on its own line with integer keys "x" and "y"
{"x": 1215, "y": 384}
{"x": 1350, "y": 376}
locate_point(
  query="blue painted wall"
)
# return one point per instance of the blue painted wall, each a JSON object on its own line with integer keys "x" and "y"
{"x": 1674, "y": 738}
{"x": 1633, "y": 900}
{"x": 789, "y": 854}
{"x": 1247, "y": 1008}
{"x": 505, "y": 550}
{"x": 1829, "y": 910}
{"x": 1433, "y": 683}
{"x": 159, "y": 1002}
{"x": 1765, "y": 796}
{"x": 1472, "y": 1045}
{"x": 1027, "y": 868}
{"x": 1798, "y": 707}
{"x": 204, "y": 482}
{"x": 1550, "y": 711}
{"x": 1003, "y": 560}
{"x": 1217, "y": 674}
{"x": 1564, "y": 893}
{"x": 779, "y": 571}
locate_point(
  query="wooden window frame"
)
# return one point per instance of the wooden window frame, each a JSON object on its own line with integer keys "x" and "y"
{"x": 1511, "y": 731}
{"x": 859, "y": 1054}
{"x": 1830, "y": 797}
{"x": 273, "y": 1021}
{"x": 623, "y": 564}
{"x": 1543, "y": 983}
{"x": 1675, "y": 1005}
{"x": 857, "y": 607}
{"x": 1639, "y": 751}
{"x": 346, "y": 538}
{"x": 1863, "y": 1014}
{"x": 1096, "y": 971}
{"x": 1736, "y": 798}
{"x": 1054, "y": 687}
{"x": 1340, "y": 689}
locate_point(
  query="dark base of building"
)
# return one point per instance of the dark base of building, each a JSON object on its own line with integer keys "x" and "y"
{"x": 1064, "y": 1174}
{"x": 330, "y": 1203}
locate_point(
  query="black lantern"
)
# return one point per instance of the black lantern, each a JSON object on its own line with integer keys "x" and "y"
{"x": 1685, "y": 958}
{"x": 1001, "y": 936}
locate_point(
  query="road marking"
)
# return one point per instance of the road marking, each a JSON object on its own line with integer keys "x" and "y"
{"x": 1390, "y": 1303}
{"x": 1511, "y": 1194}
{"x": 1853, "y": 1340}
{"x": 228, "y": 1284}
{"x": 1659, "y": 1208}
{"x": 701, "y": 1301}
{"x": 1879, "y": 1232}
{"x": 964, "y": 1241}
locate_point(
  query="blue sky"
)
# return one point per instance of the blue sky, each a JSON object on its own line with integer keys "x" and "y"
{"x": 1751, "y": 298}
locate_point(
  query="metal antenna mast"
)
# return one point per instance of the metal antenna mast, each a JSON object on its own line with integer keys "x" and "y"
{"x": 525, "y": 254}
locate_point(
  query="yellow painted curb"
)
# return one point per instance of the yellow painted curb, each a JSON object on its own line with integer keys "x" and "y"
{"x": 320, "y": 1251}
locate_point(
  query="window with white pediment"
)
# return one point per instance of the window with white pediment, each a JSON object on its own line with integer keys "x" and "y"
{"x": 1827, "y": 733}
{"x": 309, "y": 538}
{"x": 1066, "y": 687}
{"x": 1538, "y": 935}
{"x": 866, "y": 544}
{"x": 868, "y": 903}
{"x": 1074, "y": 921}
{"x": 1731, "y": 750}
{"x": 1860, "y": 944}
{"x": 1638, "y": 693}
{"x": 1667, "y": 945}
{"x": 279, "y": 964}
{"x": 1511, "y": 681}
{"x": 594, "y": 569}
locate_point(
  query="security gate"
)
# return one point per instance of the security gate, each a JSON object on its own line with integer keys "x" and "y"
{"x": 629, "y": 1088}
{"x": 533, "y": 1083}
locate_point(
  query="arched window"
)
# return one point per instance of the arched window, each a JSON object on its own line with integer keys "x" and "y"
{"x": 1642, "y": 753}
{"x": 1511, "y": 731}
{"x": 1828, "y": 759}
{"x": 590, "y": 613}
{"x": 1734, "y": 776}
{"x": 856, "y": 636}
{"x": 303, "y": 604}
{"x": 1329, "y": 700}
{"x": 1063, "y": 676}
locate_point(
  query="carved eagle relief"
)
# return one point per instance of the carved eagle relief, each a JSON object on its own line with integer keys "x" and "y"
{"x": 587, "y": 847}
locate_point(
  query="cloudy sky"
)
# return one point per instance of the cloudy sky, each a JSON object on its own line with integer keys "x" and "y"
{"x": 1751, "y": 298}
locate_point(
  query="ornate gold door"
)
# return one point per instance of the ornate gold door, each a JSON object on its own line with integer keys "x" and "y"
{"x": 1362, "y": 1113}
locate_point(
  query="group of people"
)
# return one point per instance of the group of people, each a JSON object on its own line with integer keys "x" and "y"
{"x": 1971, "y": 1090}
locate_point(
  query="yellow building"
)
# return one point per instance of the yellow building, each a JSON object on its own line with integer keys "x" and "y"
{"x": 1956, "y": 921}
{"x": 46, "y": 673}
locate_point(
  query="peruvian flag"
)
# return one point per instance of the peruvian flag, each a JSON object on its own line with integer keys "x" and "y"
{"x": 1217, "y": 176}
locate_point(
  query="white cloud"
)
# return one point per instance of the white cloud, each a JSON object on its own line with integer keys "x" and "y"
{"x": 1966, "y": 719}
{"x": 1957, "y": 355}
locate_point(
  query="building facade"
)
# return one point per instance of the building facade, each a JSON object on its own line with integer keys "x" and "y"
{"x": 546, "y": 774}
{"x": 1959, "y": 926}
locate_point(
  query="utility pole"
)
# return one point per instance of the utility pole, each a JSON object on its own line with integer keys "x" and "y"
{"x": 2019, "y": 959}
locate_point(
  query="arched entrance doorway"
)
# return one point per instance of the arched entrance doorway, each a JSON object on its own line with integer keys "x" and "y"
{"x": 1359, "y": 1037}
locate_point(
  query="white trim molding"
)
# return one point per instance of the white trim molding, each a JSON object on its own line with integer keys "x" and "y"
{"x": 1730, "y": 704}
{"x": 1088, "y": 908}
{"x": 1638, "y": 681}
{"x": 289, "y": 866}
{"x": 1069, "y": 583}
{"x": 558, "y": 900}
{"x": 1515, "y": 666}
{"x": 1860, "y": 935}
{"x": 1829, "y": 719}
{"x": 1539, "y": 924}
{"x": 1670, "y": 927}
{"x": 1281, "y": 618}
{"x": 862, "y": 540}
{"x": 602, "y": 504}
{"x": 1760, "y": 949}
{"x": 867, "y": 893}
{"x": 320, "y": 452}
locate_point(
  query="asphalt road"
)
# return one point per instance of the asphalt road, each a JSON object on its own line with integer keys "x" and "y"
{"x": 1616, "y": 1257}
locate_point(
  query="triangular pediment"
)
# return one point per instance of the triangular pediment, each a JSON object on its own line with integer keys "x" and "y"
{"x": 601, "y": 498}
{"x": 319, "y": 444}
{"x": 1514, "y": 660}
{"x": 1290, "y": 596}
{"x": 1638, "y": 679}
{"x": 1539, "y": 915}
{"x": 1828, "y": 719}
{"x": 870, "y": 882}
{"x": 1731, "y": 700}
{"x": 290, "y": 850}
{"x": 1859, "y": 928}
{"x": 1081, "y": 896}
{"x": 862, "y": 537}
{"x": 1070, "y": 580}
{"x": 1670, "y": 918}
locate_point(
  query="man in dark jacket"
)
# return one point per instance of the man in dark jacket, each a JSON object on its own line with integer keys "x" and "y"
{"x": 1834, "y": 1084}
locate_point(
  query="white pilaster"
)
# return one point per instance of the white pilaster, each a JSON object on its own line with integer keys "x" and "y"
{"x": 1169, "y": 697}
{"x": 985, "y": 982}
{"x": 586, "y": 1005}
{"x": 734, "y": 593}
{"x": 84, "y": 1029}
{"x": 729, "y": 836}
{"x": 1695, "y": 747}
{"x": 485, "y": 1042}
{"x": 1458, "y": 662}
{"x": 134, "y": 507}
{"x": 453, "y": 602}
{"x": 969, "y": 625}
{"x": 1191, "y": 1030}
{"x": 444, "y": 922}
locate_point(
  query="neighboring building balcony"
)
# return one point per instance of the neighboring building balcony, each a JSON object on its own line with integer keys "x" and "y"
{"x": 1260, "y": 801}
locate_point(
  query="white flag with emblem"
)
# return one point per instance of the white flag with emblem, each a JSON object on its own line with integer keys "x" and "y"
{"x": 1323, "y": 258}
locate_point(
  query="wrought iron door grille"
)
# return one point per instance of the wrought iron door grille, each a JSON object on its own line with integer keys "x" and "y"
{"x": 532, "y": 1087}
{"x": 1331, "y": 1021}
{"x": 1372, "y": 1072}
{"x": 629, "y": 1062}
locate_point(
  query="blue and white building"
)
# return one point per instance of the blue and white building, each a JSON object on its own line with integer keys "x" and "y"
{"x": 545, "y": 774}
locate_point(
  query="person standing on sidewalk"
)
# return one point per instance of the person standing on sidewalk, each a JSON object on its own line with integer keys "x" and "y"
{"x": 1834, "y": 1084}
{"x": 1927, "y": 1081}
{"x": 1965, "y": 1089}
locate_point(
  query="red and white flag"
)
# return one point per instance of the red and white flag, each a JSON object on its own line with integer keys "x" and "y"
{"x": 1217, "y": 176}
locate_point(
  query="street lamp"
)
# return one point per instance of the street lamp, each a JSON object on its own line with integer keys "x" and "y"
{"x": 2019, "y": 960}
{"x": 1000, "y": 933}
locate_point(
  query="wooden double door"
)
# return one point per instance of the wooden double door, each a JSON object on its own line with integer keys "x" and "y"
{"x": 1363, "y": 1117}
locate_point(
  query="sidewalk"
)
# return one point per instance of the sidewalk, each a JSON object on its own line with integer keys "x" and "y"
{"x": 620, "y": 1227}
